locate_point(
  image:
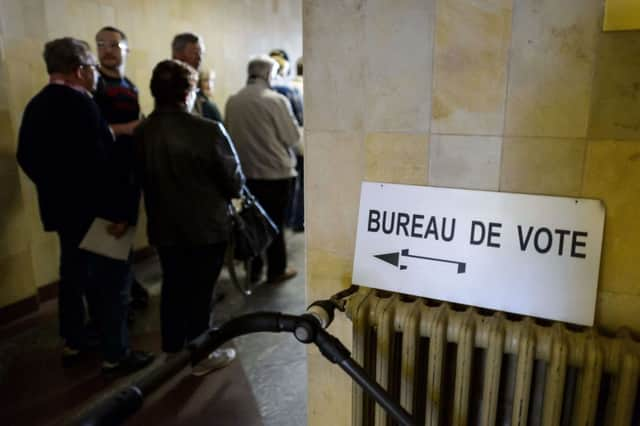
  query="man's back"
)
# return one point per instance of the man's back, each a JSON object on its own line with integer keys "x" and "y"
{"x": 63, "y": 148}
{"x": 263, "y": 128}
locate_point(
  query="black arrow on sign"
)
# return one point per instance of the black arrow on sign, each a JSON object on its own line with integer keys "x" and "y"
{"x": 394, "y": 259}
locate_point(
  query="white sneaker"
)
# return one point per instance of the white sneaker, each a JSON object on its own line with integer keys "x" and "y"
{"x": 216, "y": 360}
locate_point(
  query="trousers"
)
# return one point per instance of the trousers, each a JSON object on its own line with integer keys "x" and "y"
{"x": 189, "y": 275}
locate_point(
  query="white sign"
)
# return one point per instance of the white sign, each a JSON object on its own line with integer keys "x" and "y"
{"x": 527, "y": 254}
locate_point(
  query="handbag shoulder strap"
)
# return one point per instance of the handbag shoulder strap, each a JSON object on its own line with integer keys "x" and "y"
{"x": 246, "y": 194}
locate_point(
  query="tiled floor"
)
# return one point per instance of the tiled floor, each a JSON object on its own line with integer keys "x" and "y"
{"x": 266, "y": 386}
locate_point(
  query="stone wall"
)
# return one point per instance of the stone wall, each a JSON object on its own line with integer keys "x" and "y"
{"x": 527, "y": 96}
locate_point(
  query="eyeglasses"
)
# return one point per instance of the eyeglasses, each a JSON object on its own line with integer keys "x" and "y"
{"x": 111, "y": 44}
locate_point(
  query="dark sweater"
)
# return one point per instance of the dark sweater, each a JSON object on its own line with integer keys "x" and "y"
{"x": 118, "y": 102}
{"x": 64, "y": 147}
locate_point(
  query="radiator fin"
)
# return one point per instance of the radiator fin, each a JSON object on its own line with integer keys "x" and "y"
{"x": 457, "y": 365}
{"x": 493, "y": 366}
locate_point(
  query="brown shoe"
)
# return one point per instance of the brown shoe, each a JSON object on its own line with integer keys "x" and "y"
{"x": 286, "y": 275}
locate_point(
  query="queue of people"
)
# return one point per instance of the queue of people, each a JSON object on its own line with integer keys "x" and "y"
{"x": 90, "y": 153}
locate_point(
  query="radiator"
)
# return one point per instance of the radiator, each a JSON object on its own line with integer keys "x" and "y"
{"x": 457, "y": 365}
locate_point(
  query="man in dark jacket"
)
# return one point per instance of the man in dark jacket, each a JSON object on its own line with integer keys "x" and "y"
{"x": 189, "y": 173}
{"x": 64, "y": 147}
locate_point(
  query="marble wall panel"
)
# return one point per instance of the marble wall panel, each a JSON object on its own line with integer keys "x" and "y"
{"x": 329, "y": 392}
{"x": 398, "y": 85}
{"x": 14, "y": 223}
{"x": 12, "y": 22}
{"x": 612, "y": 174}
{"x": 17, "y": 281}
{"x": 470, "y": 66}
{"x": 617, "y": 310}
{"x": 471, "y": 162}
{"x": 397, "y": 158}
{"x": 542, "y": 166}
{"x": 330, "y": 271}
{"x": 333, "y": 174}
{"x": 621, "y": 15}
{"x": 329, "y": 388}
{"x": 551, "y": 67}
{"x": 7, "y": 143}
{"x": 45, "y": 259}
{"x": 335, "y": 65}
{"x": 616, "y": 87}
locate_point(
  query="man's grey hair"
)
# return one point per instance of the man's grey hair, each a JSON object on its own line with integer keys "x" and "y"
{"x": 261, "y": 66}
{"x": 181, "y": 41}
{"x": 65, "y": 55}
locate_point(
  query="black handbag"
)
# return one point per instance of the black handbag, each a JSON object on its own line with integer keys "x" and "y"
{"x": 253, "y": 229}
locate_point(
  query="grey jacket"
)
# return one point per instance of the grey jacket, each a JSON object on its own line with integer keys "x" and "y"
{"x": 263, "y": 128}
{"x": 189, "y": 171}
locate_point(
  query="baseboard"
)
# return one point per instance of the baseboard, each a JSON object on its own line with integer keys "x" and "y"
{"x": 19, "y": 309}
{"x": 48, "y": 292}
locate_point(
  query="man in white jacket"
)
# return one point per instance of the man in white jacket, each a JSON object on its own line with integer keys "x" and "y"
{"x": 263, "y": 128}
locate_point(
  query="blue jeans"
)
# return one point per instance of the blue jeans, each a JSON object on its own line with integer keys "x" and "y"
{"x": 108, "y": 296}
{"x": 105, "y": 282}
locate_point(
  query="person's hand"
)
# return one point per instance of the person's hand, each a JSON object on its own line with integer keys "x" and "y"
{"x": 125, "y": 128}
{"x": 117, "y": 229}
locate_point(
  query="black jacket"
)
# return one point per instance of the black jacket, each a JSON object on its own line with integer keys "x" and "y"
{"x": 189, "y": 172}
{"x": 64, "y": 147}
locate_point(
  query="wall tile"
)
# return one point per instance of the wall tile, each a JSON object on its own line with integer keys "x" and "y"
{"x": 542, "y": 166}
{"x": 329, "y": 392}
{"x": 612, "y": 174}
{"x": 329, "y": 388}
{"x": 471, "y": 162}
{"x": 12, "y": 18}
{"x": 34, "y": 19}
{"x": 7, "y": 135}
{"x": 335, "y": 71}
{"x": 615, "y": 310}
{"x": 396, "y": 158}
{"x": 14, "y": 224}
{"x": 470, "y": 66}
{"x": 329, "y": 273}
{"x": 16, "y": 278}
{"x": 551, "y": 67}
{"x": 616, "y": 88}
{"x": 46, "y": 259}
{"x": 333, "y": 175}
{"x": 398, "y": 86}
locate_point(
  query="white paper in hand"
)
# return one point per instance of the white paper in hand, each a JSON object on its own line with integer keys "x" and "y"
{"x": 99, "y": 241}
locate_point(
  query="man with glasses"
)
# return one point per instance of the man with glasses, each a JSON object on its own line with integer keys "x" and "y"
{"x": 189, "y": 48}
{"x": 64, "y": 147}
{"x": 117, "y": 98}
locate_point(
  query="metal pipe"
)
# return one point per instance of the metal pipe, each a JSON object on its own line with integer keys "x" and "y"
{"x": 306, "y": 328}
